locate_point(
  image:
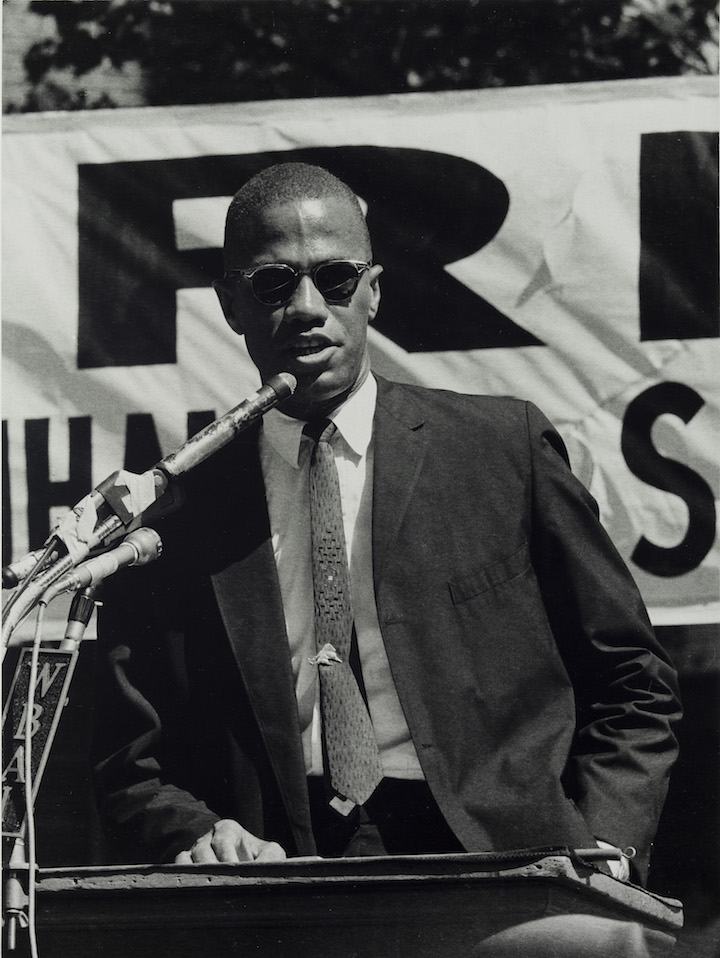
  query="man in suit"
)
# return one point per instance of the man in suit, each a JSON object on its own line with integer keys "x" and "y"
{"x": 516, "y": 693}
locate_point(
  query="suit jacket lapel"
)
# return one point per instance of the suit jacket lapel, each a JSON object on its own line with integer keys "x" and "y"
{"x": 400, "y": 448}
{"x": 244, "y": 578}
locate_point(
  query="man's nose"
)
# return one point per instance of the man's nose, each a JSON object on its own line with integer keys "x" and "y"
{"x": 306, "y": 305}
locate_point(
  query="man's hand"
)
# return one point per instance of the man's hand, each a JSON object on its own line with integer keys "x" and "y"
{"x": 228, "y": 841}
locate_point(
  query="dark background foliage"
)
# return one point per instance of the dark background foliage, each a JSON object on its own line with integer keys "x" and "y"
{"x": 210, "y": 51}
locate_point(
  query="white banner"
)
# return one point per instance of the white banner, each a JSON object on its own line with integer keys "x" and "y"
{"x": 554, "y": 243}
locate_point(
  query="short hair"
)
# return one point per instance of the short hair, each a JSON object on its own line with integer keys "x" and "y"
{"x": 282, "y": 183}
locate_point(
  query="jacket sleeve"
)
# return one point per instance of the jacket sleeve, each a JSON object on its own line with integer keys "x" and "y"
{"x": 139, "y": 716}
{"x": 625, "y": 687}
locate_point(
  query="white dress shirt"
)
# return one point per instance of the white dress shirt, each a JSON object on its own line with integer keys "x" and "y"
{"x": 285, "y": 458}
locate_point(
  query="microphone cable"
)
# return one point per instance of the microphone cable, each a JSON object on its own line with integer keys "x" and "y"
{"x": 30, "y": 843}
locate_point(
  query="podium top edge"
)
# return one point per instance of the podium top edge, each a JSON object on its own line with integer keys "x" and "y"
{"x": 560, "y": 868}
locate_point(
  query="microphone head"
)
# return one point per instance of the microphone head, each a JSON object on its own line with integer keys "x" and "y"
{"x": 147, "y": 544}
{"x": 286, "y": 385}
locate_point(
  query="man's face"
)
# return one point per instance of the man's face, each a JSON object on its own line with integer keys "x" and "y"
{"x": 324, "y": 345}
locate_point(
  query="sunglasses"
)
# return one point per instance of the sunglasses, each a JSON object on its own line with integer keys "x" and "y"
{"x": 274, "y": 283}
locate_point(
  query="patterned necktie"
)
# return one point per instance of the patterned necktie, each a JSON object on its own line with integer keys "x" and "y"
{"x": 351, "y": 748}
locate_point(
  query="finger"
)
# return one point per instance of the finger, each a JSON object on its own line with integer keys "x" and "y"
{"x": 230, "y": 841}
{"x": 225, "y": 849}
{"x": 202, "y": 853}
{"x": 270, "y": 852}
{"x": 184, "y": 858}
{"x": 247, "y": 846}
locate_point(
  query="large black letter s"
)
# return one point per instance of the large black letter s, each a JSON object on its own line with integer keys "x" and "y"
{"x": 671, "y": 476}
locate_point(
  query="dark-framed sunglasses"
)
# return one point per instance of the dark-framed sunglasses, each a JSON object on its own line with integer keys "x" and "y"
{"x": 274, "y": 283}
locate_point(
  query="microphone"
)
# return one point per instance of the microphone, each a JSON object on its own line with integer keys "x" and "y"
{"x": 122, "y": 497}
{"x": 138, "y": 548}
{"x": 15, "y": 572}
{"x": 81, "y": 610}
{"x": 222, "y": 430}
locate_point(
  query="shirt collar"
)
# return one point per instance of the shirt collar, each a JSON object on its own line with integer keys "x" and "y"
{"x": 354, "y": 421}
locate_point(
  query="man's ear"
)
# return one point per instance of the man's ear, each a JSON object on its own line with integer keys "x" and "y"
{"x": 226, "y": 295}
{"x": 374, "y": 279}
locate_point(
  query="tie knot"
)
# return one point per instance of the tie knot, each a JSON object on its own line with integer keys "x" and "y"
{"x": 320, "y": 430}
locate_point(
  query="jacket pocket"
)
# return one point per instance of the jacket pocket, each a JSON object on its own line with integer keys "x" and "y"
{"x": 483, "y": 580}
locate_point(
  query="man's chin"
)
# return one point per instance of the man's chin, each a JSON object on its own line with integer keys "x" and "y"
{"x": 315, "y": 398}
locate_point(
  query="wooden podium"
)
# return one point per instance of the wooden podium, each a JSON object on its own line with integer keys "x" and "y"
{"x": 439, "y": 905}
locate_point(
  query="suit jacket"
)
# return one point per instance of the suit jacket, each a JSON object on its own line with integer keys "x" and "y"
{"x": 540, "y": 704}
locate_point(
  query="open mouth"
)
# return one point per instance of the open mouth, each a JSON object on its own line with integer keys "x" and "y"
{"x": 309, "y": 348}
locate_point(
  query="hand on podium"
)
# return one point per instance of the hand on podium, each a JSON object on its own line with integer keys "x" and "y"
{"x": 228, "y": 841}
